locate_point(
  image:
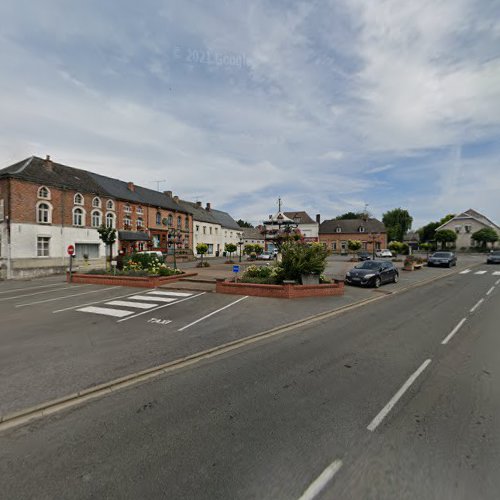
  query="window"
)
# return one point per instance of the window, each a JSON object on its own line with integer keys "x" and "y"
{"x": 158, "y": 218}
{"x": 110, "y": 205}
{"x": 140, "y": 211}
{"x": 78, "y": 217}
{"x": 170, "y": 221}
{"x": 96, "y": 202}
{"x": 186, "y": 223}
{"x": 44, "y": 213}
{"x": 361, "y": 229}
{"x": 110, "y": 220}
{"x": 90, "y": 250}
{"x": 44, "y": 193}
{"x": 210, "y": 229}
{"x": 338, "y": 229}
{"x": 216, "y": 230}
{"x": 468, "y": 228}
{"x": 96, "y": 218}
{"x": 334, "y": 245}
{"x": 210, "y": 248}
{"x": 140, "y": 246}
{"x": 127, "y": 223}
{"x": 42, "y": 246}
{"x": 78, "y": 199}
{"x": 179, "y": 222}
{"x": 458, "y": 229}
{"x": 127, "y": 209}
{"x": 139, "y": 223}
{"x": 197, "y": 228}
{"x": 204, "y": 229}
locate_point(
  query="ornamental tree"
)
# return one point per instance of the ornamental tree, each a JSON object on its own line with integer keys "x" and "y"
{"x": 485, "y": 236}
{"x": 445, "y": 236}
{"x": 230, "y": 248}
{"x": 201, "y": 249}
{"x": 108, "y": 237}
{"x": 354, "y": 246}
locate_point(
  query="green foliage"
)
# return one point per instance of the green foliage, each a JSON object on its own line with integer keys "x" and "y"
{"x": 298, "y": 259}
{"x": 250, "y": 249}
{"x": 485, "y": 236}
{"x": 428, "y": 232}
{"x": 201, "y": 248}
{"x": 107, "y": 234}
{"x": 445, "y": 236}
{"x": 243, "y": 223}
{"x": 351, "y": 215}
{"x": 398, "y": 247}
{"x": 230, "y": 248}
{"x": 141, "y": 264}
{"x": 265, "y": 275}
{"x": 354, "y": 245}
{"x": 397, "y": 221}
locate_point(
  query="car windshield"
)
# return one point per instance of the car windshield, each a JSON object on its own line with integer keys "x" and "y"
{"x": 496, "y": 253}
{"x": 442, "y": 255}
{"x": 369, "y": 264}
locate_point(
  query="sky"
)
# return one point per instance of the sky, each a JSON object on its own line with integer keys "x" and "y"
{"x": 329, "y": 105}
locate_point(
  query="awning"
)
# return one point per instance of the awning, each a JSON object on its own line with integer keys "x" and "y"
{"x": 133, "y": 236}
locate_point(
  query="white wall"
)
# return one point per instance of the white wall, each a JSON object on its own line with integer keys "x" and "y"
{"x": 219, "y": 237}
{"x": 309, "y": 230}
{"x": 24, "y": 240}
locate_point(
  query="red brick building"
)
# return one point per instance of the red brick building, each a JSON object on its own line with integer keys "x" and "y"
{"x": 46, "y": 206}
{"x": 336, "y": 233}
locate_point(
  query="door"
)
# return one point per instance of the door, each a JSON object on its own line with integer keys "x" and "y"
{"x": 387, "y": 272}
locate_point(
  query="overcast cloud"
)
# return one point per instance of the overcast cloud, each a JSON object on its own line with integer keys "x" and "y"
{"x": 328, "y": 104}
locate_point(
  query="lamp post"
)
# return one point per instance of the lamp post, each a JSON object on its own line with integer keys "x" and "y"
{"x": 373, "y": 238}
{"x": 174, "y": 239}
{"x": 240, "y": 243}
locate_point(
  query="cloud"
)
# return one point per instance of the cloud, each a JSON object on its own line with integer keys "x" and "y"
{"x": 330, "y": 105}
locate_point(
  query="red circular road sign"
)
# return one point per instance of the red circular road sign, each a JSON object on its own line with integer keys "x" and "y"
{"x": 71, "y": 249}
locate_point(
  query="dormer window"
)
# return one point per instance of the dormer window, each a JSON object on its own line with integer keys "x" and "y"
{"x": 78, "y": 199}
{"x": 44, "y": 193}
{"x": 96, "y": 202}
{"x": 338, "y": 229}
{"x": 361, "y": 229}
{"x": 110, "y": 205}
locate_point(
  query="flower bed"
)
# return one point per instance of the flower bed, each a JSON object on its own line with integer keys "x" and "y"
{"x": 122, "y": 280}
{"x": 285, "y": 291}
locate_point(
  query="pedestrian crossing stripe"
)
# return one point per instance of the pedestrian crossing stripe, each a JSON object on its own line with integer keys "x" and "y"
{"x": 126, "y": 303}
{"x": 496, "y": 273}
{"x": 480, "y": 272}
{"x": 151, "y": 298}
{"x": 171, "y": 294}
{"x": 465, "y": 271}
{"x": 118, "y": 313}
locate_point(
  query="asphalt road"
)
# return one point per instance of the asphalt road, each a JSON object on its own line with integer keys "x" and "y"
{"x": 306, "y": 411}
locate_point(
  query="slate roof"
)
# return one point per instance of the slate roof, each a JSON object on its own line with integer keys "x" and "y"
{"x": 224, "y": 219}
{"x": 303, "y": 217}
{"x": 49, "y": 173}
{"x": 351, "y": 226}
{"x": 474, "y": 214}
{"x": 198, "y": 213}
{"x": 252, "y": 233}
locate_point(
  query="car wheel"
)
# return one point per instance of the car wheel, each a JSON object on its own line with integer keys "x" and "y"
{"x": 449, "y": 264}
{"x": 396, "y": 278}
{"x": 377, "y": 282}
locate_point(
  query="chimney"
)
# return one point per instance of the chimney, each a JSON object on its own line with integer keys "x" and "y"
{"x": 168, "y": 193}
{"x": 318, "y": 218}
{"x": 208, "y": 206}
{"x": 176, "y": 199}
{"x": 48, "y": 164}
{"x": 131, "y": 186}
{"x": 198, "y": 204}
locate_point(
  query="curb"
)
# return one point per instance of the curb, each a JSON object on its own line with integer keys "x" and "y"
{"x": 56, "y": 405}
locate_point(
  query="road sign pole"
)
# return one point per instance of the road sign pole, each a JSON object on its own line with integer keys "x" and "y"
{"x": 70, "y": 267}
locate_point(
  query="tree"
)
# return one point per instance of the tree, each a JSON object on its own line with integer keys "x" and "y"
{"x": 354, "y": 246}
{"x": 485, "y": 236}
{"x": 398, "y": 247}
{"x": 397, "y": 222}
{"x": 230, "y": 248}
{"x": 351, "y": 215}
{"x": 108, "y": 237}
{"x": 201, "y": 249}
{"x": 445, "y": 236}
{"x": 243, "y": 223}
{"x": 428, "y": 232}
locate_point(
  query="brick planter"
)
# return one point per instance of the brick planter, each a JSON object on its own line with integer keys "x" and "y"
{"x": 134, "y": 281}
{"x": 287, "y": 291}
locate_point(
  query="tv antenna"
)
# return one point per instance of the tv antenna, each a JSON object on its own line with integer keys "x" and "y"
{"x": 158, "y": 184}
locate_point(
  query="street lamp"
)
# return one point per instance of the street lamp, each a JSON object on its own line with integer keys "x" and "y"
{"x": 373, "y": 238}
{"x": 174, "y": 239}
{"x": 240, "y": 243}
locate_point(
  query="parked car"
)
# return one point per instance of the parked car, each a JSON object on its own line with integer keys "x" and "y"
{"x": 493, "y": 257}
{"x": 383, "y": 253}
{"x": 364, "y": 256}
{"x": 446, "y": 259}
{"x": 372, "y": 273}
{"x": 266, "y": 256}
{"x": 152, "y": 252}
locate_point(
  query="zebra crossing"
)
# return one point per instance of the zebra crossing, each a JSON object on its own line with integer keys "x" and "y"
{"x": 135, "y": 303}
{"x": 481, "y": 272}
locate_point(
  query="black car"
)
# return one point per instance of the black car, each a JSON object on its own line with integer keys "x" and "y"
{"x": 446, "y": 259}
{"x": 372, "y": 273}
{"x": 493, "y": 257}
{"x": 364, "y": 256}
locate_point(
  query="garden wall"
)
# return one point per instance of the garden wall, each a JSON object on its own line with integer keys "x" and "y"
{"x": 287, "y": 291}
{"x": 134, "y": 281}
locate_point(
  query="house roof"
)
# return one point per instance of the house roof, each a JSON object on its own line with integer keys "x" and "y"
{"x": 470, "y": 214}
{"x": 300, "y": 217}
{"x": 198, "y": 212}
{"x": 351, "y": 226}
{"x": 251, "y": 233}
{"x": 224, "y": 219}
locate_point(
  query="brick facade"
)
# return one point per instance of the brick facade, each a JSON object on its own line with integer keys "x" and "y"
{"x": 336, "y": 241}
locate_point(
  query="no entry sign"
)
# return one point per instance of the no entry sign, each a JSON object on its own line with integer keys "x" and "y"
{"x": 71, "y": 249}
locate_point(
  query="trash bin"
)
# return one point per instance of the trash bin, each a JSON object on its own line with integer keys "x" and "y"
{"x": 223, "y": 254}
{"x": 217, "y": 253}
